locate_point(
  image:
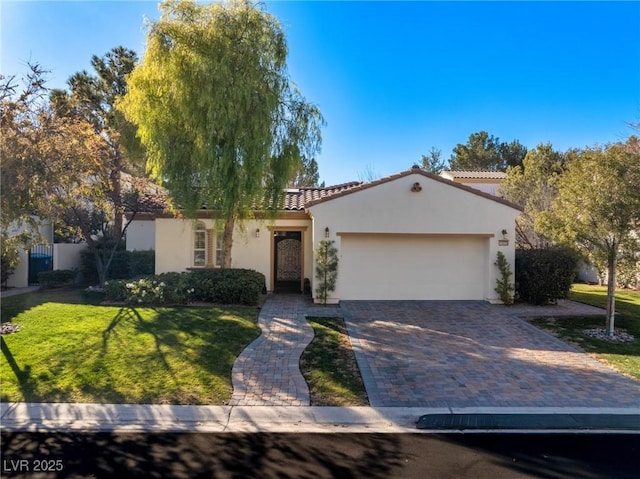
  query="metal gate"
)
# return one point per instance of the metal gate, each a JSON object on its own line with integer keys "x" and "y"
{"x": 40, "y": 259}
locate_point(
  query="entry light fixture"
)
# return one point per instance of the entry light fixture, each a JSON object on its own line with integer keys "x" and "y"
{"x": 258, "y": 233}
{"x": 326, "y": 232}
{"x": 505, "y": 235}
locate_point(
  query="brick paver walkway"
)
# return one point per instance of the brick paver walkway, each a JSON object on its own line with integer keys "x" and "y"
{"x": 267, "y": 372}
{"x": 467, "y": 353}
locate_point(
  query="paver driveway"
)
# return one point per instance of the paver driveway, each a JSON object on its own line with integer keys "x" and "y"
{"x": 468, "y": 353}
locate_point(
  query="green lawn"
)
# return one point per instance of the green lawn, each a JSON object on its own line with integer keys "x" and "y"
{"x": 625, "y": 357}
{"x": 329, "y": 366}
{"x": 70, "y": 349}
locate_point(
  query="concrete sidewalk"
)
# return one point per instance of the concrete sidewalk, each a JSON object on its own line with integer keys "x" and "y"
{"x": 33, "y": 417}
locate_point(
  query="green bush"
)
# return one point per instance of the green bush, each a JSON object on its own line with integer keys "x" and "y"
{"x": 57, "y": 278}
{"x": 544, "y": 275}
{"x": 125, "y": 264}
{"x": 141, "y": 263}
{"x": 503, "y": 284}
{"x": 116, "y": 290}
{"x": 119, "y": 268}
{"x": 228, "y": 286}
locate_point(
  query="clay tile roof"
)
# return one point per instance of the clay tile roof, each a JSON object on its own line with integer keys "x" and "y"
{"x": 467, "y": 174}
{"x": 297, "y": 198}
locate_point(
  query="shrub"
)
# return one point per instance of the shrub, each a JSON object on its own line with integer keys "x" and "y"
{"x": 57, "y": 278}
{"x": 116, "y": 290}
{"x": 326, "y": 269}
{"x": 125, "y": 264}
{"x": 119, "y": 268}
{"x": 230, "y": 286}
{"x": 503, "y": 284}
{"x": 544, "y": 275}
{"x": 140, "y": 263}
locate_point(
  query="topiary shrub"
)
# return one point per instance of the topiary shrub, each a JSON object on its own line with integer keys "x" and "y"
{"x": 544, "y": 275}
{"x": 503, "y": 284}
{"x": 326, "y": 269}
{"x": 57, "y": 278}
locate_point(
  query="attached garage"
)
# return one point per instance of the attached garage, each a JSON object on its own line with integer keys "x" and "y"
{"x": 413, "y": 267}
{"x": 415, "y": 236}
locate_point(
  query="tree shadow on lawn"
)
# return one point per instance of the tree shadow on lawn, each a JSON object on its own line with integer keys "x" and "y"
{"x": 130, "y": 355}
{"x": 160, "y": 335}
{"x": 191, "y": 346}
{"x": 26, "y": 382}
{"x": 14, "y": 305}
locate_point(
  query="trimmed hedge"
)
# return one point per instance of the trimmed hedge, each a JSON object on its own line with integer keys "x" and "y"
{"x": 125, "y": 265}
{"x": 226, "y": 286}
{"x": 57, "y": 278}
{"x": 544, "y": 275}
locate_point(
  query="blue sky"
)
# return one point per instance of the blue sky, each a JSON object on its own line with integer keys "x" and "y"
{"x": 394, "y": 79}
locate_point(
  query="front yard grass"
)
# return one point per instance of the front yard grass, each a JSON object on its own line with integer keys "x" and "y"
{"x": 329, "y": 366}
{"x": 625, "y": 357}
{"x": 70, "y": 350}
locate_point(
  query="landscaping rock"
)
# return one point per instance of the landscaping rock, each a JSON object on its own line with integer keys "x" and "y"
{"x": 9, "y": 328}
{"x": 619, "y": 335}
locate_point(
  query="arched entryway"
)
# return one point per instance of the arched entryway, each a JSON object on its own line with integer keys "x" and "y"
{"x": 287, "y": 261}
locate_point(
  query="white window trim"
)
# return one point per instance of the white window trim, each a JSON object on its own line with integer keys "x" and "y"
{"x": 199, "y": 228}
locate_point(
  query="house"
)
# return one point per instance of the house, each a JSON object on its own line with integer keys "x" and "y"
{"x": 487, "y": 181}
{"x": 410, "y": 236}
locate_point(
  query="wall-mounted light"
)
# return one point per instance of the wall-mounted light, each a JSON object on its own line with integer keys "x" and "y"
{"x": 326, "y": 232}
{"x": 505, "y": 235}
{"x": 258, "y": 233}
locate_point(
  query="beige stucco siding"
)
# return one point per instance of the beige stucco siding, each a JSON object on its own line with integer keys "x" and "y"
{"x": 412, "y": 267}
{"x": 174, "y": 244}
{"x": 141, "y": 235}
{"x": 438, "y": 208}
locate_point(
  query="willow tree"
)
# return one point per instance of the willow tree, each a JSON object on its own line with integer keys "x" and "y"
{"x": 222, "y": 123}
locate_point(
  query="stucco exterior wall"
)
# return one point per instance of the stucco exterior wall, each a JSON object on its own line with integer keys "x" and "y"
{"x": 20, "y": 276}
{"x": 437, "y": 209}
{"x": 67, "y": 255}
{"x": 141, "y": 235}
{"x": 174, "y": 245}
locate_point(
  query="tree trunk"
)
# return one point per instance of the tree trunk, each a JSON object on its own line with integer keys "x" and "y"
{"x": 227, "y": 241}
{"x": 611, "y": 293}
{"x": 116, "y": 193}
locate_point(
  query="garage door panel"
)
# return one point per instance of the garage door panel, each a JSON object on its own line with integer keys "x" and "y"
{"x": 405, "y": 268}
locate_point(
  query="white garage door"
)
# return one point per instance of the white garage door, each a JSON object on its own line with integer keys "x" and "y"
{"x": 412, "y": 267}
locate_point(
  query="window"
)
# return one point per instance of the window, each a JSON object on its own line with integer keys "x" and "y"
{"x": 219, "y": 244}
{"x": 200, "y": 245}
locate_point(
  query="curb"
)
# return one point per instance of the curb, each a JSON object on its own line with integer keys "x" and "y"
{"x": 61, "y": 417}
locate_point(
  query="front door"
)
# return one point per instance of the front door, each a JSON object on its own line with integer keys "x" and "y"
{"x": 288, "y": 261}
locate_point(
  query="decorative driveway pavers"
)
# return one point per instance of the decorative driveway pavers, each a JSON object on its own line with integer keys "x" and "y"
{"x": 471, "y": 353}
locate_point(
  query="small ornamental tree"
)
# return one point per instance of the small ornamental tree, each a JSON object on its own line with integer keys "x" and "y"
{"x": 597, "y": 208}
{"x": 326, "y": 269}
{"x": 504, "y": 287}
